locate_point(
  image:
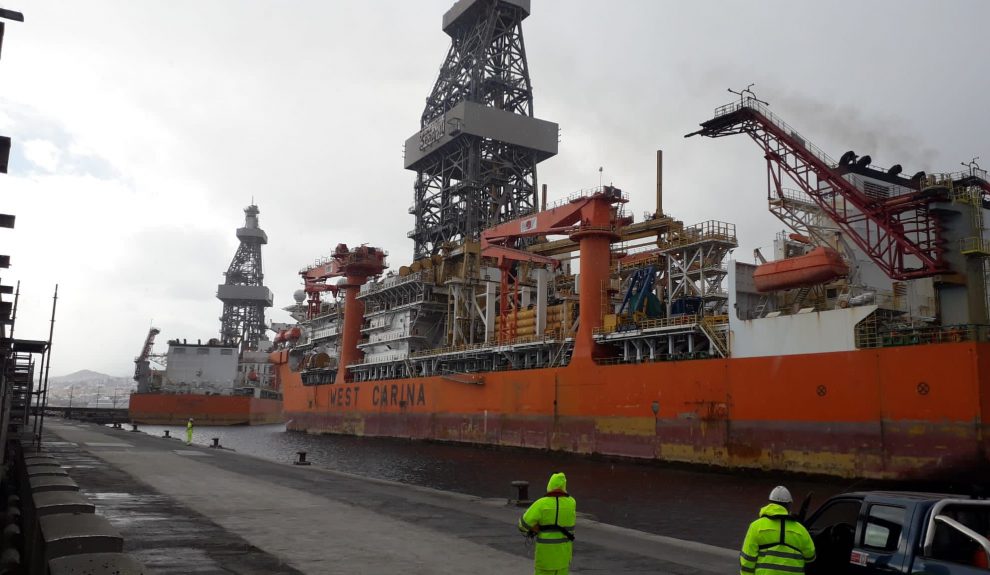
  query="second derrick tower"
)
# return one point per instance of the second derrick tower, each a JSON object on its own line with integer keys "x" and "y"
{"x": 243, "y": 293}
{"x": 476, "y": 153}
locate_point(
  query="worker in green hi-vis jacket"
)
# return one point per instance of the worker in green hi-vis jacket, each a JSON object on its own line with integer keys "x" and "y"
{"x": 189, "y": 430}
{"x": 550, "y": 519}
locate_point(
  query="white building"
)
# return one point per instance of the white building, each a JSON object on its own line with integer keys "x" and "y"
{"x": 208, "y": 368}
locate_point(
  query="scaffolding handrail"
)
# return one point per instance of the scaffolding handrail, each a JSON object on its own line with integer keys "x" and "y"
{"x": 754, "y": 104}
{"x": 581, "y": 194}
{"x": 681, "y": 320}
{"x": 894, "y": 337}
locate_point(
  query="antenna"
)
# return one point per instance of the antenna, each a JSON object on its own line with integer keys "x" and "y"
{"x": 600, "y": 168}
{"x": 972, "y": 165}
{"x": 748, "y": 94}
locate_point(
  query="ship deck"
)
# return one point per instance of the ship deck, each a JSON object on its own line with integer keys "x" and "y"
{"x": 173, "y": 504}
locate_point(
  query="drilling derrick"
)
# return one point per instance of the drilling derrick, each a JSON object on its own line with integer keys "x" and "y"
{"x": 243, "y": 295}
{"x": 476, "y": 152}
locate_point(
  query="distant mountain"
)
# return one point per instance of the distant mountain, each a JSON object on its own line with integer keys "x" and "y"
{"x": 88, "y": 387}
{"x": 85, "y": 376}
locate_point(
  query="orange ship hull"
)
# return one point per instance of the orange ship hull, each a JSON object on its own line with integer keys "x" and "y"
{"x": 912, "y": 412}
{"x": 176, "y": 409}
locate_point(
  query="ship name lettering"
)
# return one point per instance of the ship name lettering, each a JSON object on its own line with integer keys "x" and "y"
{"x": 344, "y": 396}
{"x": 398, "y": 395}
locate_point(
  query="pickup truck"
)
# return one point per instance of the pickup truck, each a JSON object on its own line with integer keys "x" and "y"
{"x": 877, "y": 532}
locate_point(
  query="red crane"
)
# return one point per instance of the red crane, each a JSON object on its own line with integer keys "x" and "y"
{"x": 588, "y": 219}
{"x": 355, "y": 266}
{"x": 900, "y": 234}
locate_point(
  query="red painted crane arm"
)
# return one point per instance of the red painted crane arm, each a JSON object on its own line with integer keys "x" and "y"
{"x": 502, "y": 253}
{"x": 553, "y": 221}
{"x": 557, "y": 220}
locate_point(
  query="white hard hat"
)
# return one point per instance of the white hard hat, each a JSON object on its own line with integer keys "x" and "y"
{"x": 780, "y": 494}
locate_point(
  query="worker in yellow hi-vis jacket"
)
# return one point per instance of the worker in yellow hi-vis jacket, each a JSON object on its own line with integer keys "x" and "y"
{"x": 189, "y": 430}
{"x": 550, "y": 519}
{"x": 776, "y": 543}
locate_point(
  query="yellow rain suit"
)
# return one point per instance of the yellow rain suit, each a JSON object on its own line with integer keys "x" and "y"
{"x": 776, "y": 544}
{"x": 550, "y": 519}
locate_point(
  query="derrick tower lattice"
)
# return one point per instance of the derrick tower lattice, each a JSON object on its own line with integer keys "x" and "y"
{"x": 243, "y": 294}
{"x": 476, "y": 152}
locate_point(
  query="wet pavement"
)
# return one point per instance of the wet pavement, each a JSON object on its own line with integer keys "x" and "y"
{"x": 160, "y": 533}
{"x": 249, "y": 515}
{"x": 709, "y": 506}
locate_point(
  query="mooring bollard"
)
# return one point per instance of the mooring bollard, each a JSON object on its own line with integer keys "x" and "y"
{"x": 301, "y": 460}
{"x": 521, "y": 495}
{"x": 134, "y": 427}
{"x": 168, "y": 434}
{"x": 216, "y": 442}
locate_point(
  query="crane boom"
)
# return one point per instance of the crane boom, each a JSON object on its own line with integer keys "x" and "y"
{"x": 142, "y": 363}
{"x": 900, "y": 234}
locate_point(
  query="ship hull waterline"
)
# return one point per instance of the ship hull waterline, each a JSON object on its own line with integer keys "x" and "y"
{"x": 206, "y": 410}
{"x": 912, "y": 412}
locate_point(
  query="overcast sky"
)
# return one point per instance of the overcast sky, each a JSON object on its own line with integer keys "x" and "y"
{"x": 142, "y": 129}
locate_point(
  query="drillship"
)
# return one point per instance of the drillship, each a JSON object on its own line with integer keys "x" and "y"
{"x": 227, "y": 380}
{"x": 858, "y": 348}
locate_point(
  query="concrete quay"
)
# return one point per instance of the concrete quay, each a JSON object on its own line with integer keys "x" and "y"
{"x": 198, "y": 510}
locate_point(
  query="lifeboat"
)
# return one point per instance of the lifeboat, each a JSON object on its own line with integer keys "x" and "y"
{"x": 818, "y": 266}
{"x": 319, "y": 360}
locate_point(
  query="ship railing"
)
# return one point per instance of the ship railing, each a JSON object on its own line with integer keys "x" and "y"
{"x": 924, "y": 335}
{"x": 619, "y": 360}
{"x": 795, "y": 196}
{"x": 975, "y": 245}
{"x": 711, "y": 230}
{"x": 756, "y": 105}
{"x": 655, "y": 323}
{"x": 968, "y": 195}
{"x": 882, "y": 193}
{"x": 389, "y": 282}
{"x": 450, "y": 349}
{"x": 596, "y": 228}
{"x": 551, "y": 337}
{"x": 580, "y": 194}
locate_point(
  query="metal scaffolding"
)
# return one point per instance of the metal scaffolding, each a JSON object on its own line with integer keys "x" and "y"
{"x": 476, "y": 152}
{"x": 243, "y": 295}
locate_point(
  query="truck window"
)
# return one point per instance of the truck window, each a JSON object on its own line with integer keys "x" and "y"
{"x": 840, "y": 511}
{"x": 883, "y": 527}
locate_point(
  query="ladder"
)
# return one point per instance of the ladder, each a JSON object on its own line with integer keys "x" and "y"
{"x": 712, "y": 328}
{"x": 801, "y": 296}
{"x": 19, "y": 377}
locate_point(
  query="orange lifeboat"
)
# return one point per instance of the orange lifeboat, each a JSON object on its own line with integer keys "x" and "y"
{"x": 818, "y": 266}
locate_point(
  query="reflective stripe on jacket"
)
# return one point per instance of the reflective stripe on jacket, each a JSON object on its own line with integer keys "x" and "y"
{"x": 775, "y": 544}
